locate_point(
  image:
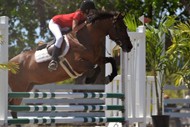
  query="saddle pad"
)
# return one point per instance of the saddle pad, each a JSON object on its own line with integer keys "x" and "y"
{"x": 43, "y": 55}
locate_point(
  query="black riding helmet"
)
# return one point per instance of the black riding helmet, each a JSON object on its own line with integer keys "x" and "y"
{"x": 87, "y": 5}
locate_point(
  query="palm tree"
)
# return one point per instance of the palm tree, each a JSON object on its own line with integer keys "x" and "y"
{"x": 157, "y": 60}
{"x": 179, "y": 52}
{"x": 172, "y": 65}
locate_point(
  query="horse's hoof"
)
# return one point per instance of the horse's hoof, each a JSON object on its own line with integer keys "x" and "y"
{"x": 107, "y": 80}
{"x": 90, "y": 80}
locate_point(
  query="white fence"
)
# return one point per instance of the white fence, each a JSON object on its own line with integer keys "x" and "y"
{"x": 181, "y": 107}
{"x": 177, "y": 108}
{"x": 3, "y": 73}
{"x": 131, "y": 81}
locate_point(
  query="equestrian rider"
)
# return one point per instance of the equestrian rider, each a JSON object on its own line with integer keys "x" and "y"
{"x": 66, "y": 21}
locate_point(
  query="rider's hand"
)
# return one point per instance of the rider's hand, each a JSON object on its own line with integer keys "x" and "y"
{"x": 88, "y": 20}
{"x": 74, "y": 33}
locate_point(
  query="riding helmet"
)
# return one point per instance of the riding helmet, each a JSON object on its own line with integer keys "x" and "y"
{"x": 87, "y": 5}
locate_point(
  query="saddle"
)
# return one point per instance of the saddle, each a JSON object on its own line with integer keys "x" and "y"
{"x": 42, "y": 45}
{"x": 44, "y": 50}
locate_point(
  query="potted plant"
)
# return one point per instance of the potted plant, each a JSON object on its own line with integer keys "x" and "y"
{"x": 158, "y": 64}
{"x": 162, "y": 60}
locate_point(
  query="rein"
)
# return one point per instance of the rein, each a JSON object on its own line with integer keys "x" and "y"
{"x": 79, "y": 27}
{"x": 117, "y": 39}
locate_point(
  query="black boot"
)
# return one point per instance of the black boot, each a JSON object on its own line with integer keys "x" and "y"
{"x": 53, "y": 65}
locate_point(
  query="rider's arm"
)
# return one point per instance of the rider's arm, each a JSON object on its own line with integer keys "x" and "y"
{"x": 77, "y": 17}
{"x": 74, "y": 25}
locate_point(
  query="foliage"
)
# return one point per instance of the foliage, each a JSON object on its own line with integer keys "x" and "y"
{"x": 13, "y": 67}
{"x": 158, "y": 61}
{"x": 179, "y": 52}
{"x": 1, "y": 40}
{"x": 174, "y": 64}
{"x": 29, "y": 19}
{"x": 132, "y": 22}
{"x": 68, "y": 81}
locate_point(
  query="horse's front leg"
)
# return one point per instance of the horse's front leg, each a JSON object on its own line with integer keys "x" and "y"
{"x": 15, "y": 101}
{"x": 112, "y": 61}
{"x": 92, "y": 76}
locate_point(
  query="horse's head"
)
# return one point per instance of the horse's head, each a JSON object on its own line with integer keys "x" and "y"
{"x": 119, "y": 34}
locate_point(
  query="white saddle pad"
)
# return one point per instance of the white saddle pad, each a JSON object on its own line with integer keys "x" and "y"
{"x": 43, "y": 55}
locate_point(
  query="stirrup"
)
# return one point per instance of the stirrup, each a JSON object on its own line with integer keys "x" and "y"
{"x": 53, "y": 65}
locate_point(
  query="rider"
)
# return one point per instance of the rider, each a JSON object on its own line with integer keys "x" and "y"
{"x": 59, "y": 22}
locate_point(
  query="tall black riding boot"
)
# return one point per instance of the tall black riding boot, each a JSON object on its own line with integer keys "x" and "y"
{"x": 53, "y": 65}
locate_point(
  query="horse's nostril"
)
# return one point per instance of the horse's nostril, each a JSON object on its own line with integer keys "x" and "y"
{"x": 129, "y": 48}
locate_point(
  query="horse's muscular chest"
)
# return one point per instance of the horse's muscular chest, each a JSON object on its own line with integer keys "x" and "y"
{"x": 86, "y": 53}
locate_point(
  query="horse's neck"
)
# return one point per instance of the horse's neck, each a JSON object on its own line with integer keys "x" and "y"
{"x": 92, "y": 34}
{"x": 72, "y": 38}
{"x": 79, "y": 27}
{"x": 103, "y": 26}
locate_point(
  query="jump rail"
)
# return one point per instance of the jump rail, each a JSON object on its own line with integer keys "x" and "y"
{"x": 59, "y": 120}
{"x": 61, "y": 95}
{"x": 46, "y": 108}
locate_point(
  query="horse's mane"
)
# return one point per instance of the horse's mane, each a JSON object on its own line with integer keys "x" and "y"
{"x": 100, "y": 15}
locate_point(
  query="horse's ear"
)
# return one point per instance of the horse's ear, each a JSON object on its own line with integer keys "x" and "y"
{"x": 116, "y": 15}
{"x": 123, "y": 14}
{"x": 119, "y": 15}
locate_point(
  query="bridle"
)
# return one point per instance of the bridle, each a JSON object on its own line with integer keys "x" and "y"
{"x": 117, "y": 39}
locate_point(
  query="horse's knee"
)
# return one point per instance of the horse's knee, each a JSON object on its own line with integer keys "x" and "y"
{"x": 112, "y": 61}
{"x": 109, "y": 59}
{"x": 15, "y": 101}
{"x": 93, "y": 74}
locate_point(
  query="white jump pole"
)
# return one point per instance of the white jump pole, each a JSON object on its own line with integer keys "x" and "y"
{"x": 3, "y": 73}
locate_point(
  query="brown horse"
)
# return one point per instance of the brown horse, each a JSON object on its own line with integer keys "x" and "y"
{"x": 81, "y": 56}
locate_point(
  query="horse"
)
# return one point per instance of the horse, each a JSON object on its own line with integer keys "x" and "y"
{"x": 81, "y": 56}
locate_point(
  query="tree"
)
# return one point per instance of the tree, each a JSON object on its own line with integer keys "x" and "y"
{"x": 157, "y": 60}
{"x": 179, "y": 53}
